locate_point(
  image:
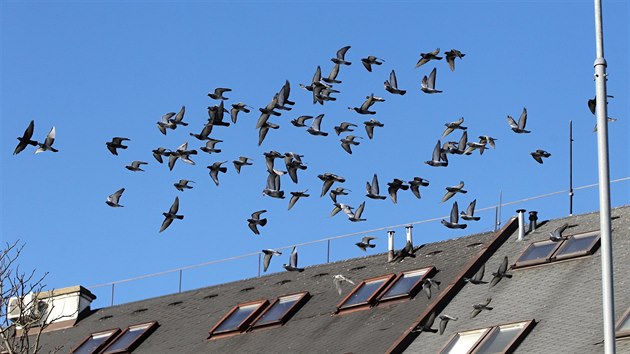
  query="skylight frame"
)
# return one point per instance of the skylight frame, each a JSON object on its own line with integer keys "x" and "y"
{"x": 112, "y": 333}
{"x": 540, "y": 260}
{"x": 413, "y": 290}
{"x": 588, "y": 251}
{"x": 305, "y": 296}
{"x": 244, "y": 324}
{"x": 489, "y": 334}
{"x": 150, "y": 328}
{"x": 370, "y": 301}
{"x": 618, "y": 332}
{"x": 458, "y": 334}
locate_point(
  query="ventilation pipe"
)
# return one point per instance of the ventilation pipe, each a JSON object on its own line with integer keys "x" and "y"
{"x": 521, "y": 224}
{"x": 533, "y": 220}
{"x": 409, "y": 235}
{"x": 390, "y": 245}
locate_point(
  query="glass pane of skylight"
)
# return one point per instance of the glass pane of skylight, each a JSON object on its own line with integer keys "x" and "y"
{"x": 499, "y": 340}
{"x": 126, "y": 339}
{"x": 404, "y": 284}
{"x": 539, "y": 250}
{"x": 625, "y": 324}
{"x": 463, "y": 342}
{"x": 236, "y": 318}
{"x": 93, "y": 343}
{"x": 365, "y": 292}
{"x": 576, "y": 244}
{"x": 279, "y": 309}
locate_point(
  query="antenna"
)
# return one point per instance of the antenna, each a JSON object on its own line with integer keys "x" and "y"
{"x": 570, "y": 167}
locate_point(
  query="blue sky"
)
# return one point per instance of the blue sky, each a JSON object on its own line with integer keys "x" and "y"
{"x": 96, "y": 70}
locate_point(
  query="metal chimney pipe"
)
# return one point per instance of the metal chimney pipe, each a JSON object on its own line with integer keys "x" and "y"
{"x": 409, "y": 235}
{"x": 390, "y": 245}
{"x": 521, "y": 224}
{"x": 533, "y": 220}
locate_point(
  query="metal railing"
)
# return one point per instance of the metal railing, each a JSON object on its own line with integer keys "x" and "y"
{"x": 179, "y": 271}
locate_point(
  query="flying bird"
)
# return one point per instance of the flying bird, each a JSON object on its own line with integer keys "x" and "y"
{"x": 295, "y": 196}
{"x": 478, "y": 277}
{"x": 255, "y": 220}
{"x": 215, "y": 168}
{"x": 451, "y": 55}
{"x": 183, "y": 184}
{"x": 338, "y": 191}
{"x": 236, "y": 108}
{"x": 519, "y": 127}
{"x": 113, "y": 199}
{"x": 272, "y": 188}
{"x": 500, "y": 273}
{"x": 340, "y": 58}
{"x": 348, "y": 141}
{"x": 344, "y": 127}
{"x": 25, "y": 139}
{"x": 393, "y": 188}
{"x": 365, "y": 106}
{"x": 48, "y": 142}
{"x": 356, "y": 216}
{"x": 451, "y": 191}
{"x": 454, "y": 125}
{"x": 369, "y": 127}
{"x": 444, "y": 321}
{"x": 556, "y": 235}
{"x": 135, "y": 166}
{"x": 426, "y": 57}
{"x": 329, "y": 179}
{"x": 332, "y": 77}
{"x": 218, "y": 93}
{"x": 171, "y": 215}
{"x": 338, "y": 280}
{"x": 477, "y": 308}
{"x": 371, "y": 60}
{"x": 416, "y": 184}
{"x": 539, "y": 154}
{"x": 270, "y": 157}
{"x": 166, "y": 123}
{"x": 469, "y": 215}
{"x": 216, "y": 114}
{"x": 301, "y": 120}
{"x": 293, "y": 163}
{"x": 426, "y": 325}
{"x": 267, "y": 258}
{"x": 373, "y": 189}
{"x": 116, "y": 143}
{"x": 364, "y": 244}
{"x": 242, "y": 161}
{"x": 454, "y": 219}
{"x": 438, "y": 158}
{"x": 179, "y": 118}
{"x": 205, "y": 132}
{"x": 315, "y": 128}
{"x": 209, "y": 148}
{"x": 159, "y": 152}
{"x": 182, "y": 153}
{"x": 391, "y": 85}
{"x": 293, "y": 262}
{"x": 428, "y": 83}
{"x": 489, "y": 140}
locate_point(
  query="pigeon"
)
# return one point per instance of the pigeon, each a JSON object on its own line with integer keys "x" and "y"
{"x": 299, "y": 121}
{"x": 272, "y": 188}
{"x": 216, "y": 114}
{"x": 293, "y": 164}
{"x": 182, "y": 153}
{"x": 215, "y": 168}
{"x": 205, "y": 132}
{"x": 477, "y": 308}
{"x": 592, "y": 105}
{"x": 270, "y": 158}
{"x": 316, "y": 81}
{"x": 332, "y": 77}
{"x": 489, "y": 140}
{"x": 283, "y": 95}
{"x": 255, "y": 220}
{"x": 348, "y": 141}
{"x": 281, "y": 99}
{"x": 393, "y": 188}
{"x": 371, "y": 60}
{"x": 391, "y": 85}
{"x": 454, "y": 125}
{"x": 438, "y": 159}
{"x": 293, "y": 261}
{"x": 315, "y": 128}
{"x": 365, "y": 106}
{"x": 500, "y": 273}
{"x": 469, "y": 215}
{"x": 454, "y": 219}
{"x": 218, "y": 93}
{"x": 451, "y": 191}
{"x": 451, "y": 55}
{"x": 338, "y": 191}
{"x": 338, "y": 280}
{"x": 242, "y": 161}
{"x": 373, "y": 190}
{"x": 444, "y": 321}
{"x": 166, "y": 123}
{"x": 171, "y": 215}
{"x": 478, "y": 277}
{"x": 159, "y": 152}
{"x": 365, "y": 243}
{"x": 48, "y": 142}
{"x": 426, "y": 57}
{"x": 25, "y": 139}
{"x": 267, "y": 258}
{"x": 344, "y": 127}
{"x": 356, "y": 216}
{"x": 135, "y": 166}
{"x": 295, "y": 196}
{"x": 428, "y": 83}
{"x": 369, "y": 127}
{"x": 183, "y": 184}
{"x": 556, "y": 235}
{"x": 329, "y": 179}
{"x": 472, "y": 146}
{"x": 429, "y": 283}
{"x": 116, "y": 143}
{"x": 416, "y": 184}
{"x": 519, "y": 127}
{"x": 426, "y": 325}
{"x": 238, "y": 107}
{"x": 539, "y": 154}
{"x": 179, "y": 118}
{"x": 262, "y": 133}
{"x": 113, "y": 199}
{"x": 407, "y": 251}
{"x": 209, "y": 148}
{"x": 340, "y": 58}
{"x": 339, "y": 207}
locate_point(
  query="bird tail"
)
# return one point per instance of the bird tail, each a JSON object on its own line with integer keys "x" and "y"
{"x": 371, "y": 246}
{"x": 508, "y": 276}
{"x": 223, "y": 169}
{"x": 263, "y": 222}
{"x": 489, "y": 308}
{"x": 180, "y": 217}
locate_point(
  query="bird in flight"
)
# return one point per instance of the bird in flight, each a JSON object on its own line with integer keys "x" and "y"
{"x": 438, "y": 158}
{"x": 113, "y": 199}
{"x": 48, "y": 142}
{"x": 348, "y": 141}
{"x": 344, "y": 127}
{"x": 171, "y": 215}
{"x": 500, "y": 273}
{"x": 373, "y": 189}
{"x": 364, "y": 244}
{"x": 519, "y": 127}
{"x": 329, "y": 179}
{"x": 454, "y": 125}
{"x": 293, "y": 262}
{"x": 369, "y": 127}
{"x": 236, "y": 108}
{"x": 218, "y": 93}
{"x": 295, "y": 196}
{"x": 451, "y": 191}
{"x": 393, "y": 188}
{"x": 315, "y": 128}
{"x": 539, "y": 154}
{"x": 135, "y": 166}
{"x": 340, "y": 57}
{"x": 183, "y": 184}
{"x": 428, "y": 83}
{"x": 340, "y": 279}
{"x": 451, "y": 55}
{"x": 25, "y": 139}
{"x": 267, "y": 258}
{"x": 242, "y": 161}
{"x": 272, "y": 188}
{"x": 426, "y": 57}
{"x": 454, "y": 219}
{"x": 371, "y": 60}
{"x": 116, "y": 143}
{"x": 255, "y": 220}
{"x": 391, "y": 85}
{"x": 477, "y": 308}
{"x": 210, "y": 146}
{"x": 444, "y": 321}
{"x": 478, "y": 277}
{"x": 215, "y": 168}
{"x": 416, "y": 184}
{"x": 469, "y": 215}
{"x": 556, "y": 235}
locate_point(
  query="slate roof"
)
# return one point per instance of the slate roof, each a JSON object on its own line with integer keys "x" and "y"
{"x": 563, "y": 297}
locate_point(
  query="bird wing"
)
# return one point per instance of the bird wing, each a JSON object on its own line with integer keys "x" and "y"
{"x": 346, "y": 146}
{"x": 267, "y": 260}
{"x": 337, "y": 281}
{"x": 174, "y": 206}
{"x": 375, "y": 188}
{"x": 471, "y": 208}
{"x": 318, "y": 75}
{"x": 454, "y": 213}
{"x": 474, "y": 313}
{"x": 334, "y": 72}
{"x": 359, "y": 211}
{"x": 50, "y": 138}
{"x": 503, "y": 266}
{"x": 262, "y": 133}
{"x": 431, "y": 82}
{"x": 293, "y": 260}
{"x": 367, "y": 65}
{"x": 479, "y": 275}
{"x": 512, "y": 122}
{"x": 341, "y": 53}
{"x": 437, "y": 151}
{"x": 326, "y": 186}
{"x": 256, "y": 214}
{"x": 392, "y": 190}
{"x": 317, "y": 122}
{"x": 292, "y": 201}
{"x": 369, "y": 129}
{"x": 252, "y": 226}
{"x": 522, "y": 121}
{"x": 443, "y": 322}
{"x": 166, "y": 223}
{"x": 180, "y": 115}
{"x": 463, "y": 141}
{"x": 447, "y": 196}
{"x": 451, "y": 63}
{"x": 112, "y": 149}
{"x": 537, "y": 157}
{"x": 171, "y": 161}
{"x": 392, "y": 80}
{"x": 114, "y": 198}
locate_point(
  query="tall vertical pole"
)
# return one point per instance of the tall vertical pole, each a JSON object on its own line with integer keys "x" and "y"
{"x": 604, "y": 185}
{"x": 570, "y": 167}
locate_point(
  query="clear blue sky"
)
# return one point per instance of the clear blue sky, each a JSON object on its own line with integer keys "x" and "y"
{"x": 96, "y": 70}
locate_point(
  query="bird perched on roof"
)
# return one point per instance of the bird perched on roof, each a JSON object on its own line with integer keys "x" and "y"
{"x": 371, "y": 60}
{"x": 340, "y": 57}
{"x": 416, "y": 184}
{"x": 293, "y": 262}
{"x": 267, "y": 258}
{"x": 477, "y": 308}
{"x": 113, "y": 199}
{"x": 272, "y": 188}
{"x": 373, "y": 189}
{"x": 215, "y": 168}
{"x": 469, "y": 215}
{"x": 255, "y": 220}
{"x": 48, "y": 142}
{"x": 329, "y": 179}
{"x": 209, "y": 148}
{"x": 236, "y": 108}
{"x": 242, "y": 161}
{"x": 166, "y": 123}
{"x": 332, "y": 77}
{"x": 539, "y": 154}
{"x": 369, "y": 127}
{"x": 428, "y": 83}
{"x": 171, "y": 215}
{"x": 451, "y": 55}
{"x": 453, "y": 222}
{"x": 454, "y": 125}
{"x": 452, "y": 190}
{"x": 344, "y": 127}
{"x": 426, "y": 57}
{"x": 500, "y": 273}
{"x": 478, "y": 277}
{"x": 364, "y": 244}
{"x": 393, "y": 188}
{"x": 407, "y": 251}
{"x": 25, "y": 139}
{"x": 135, "y": 166}
{"x": 338, "y": 280}
{"x": 444, "y": 321}
{"x": 519, "y": 127}
{"x": 179, "y": 118}
{"x": 183, "y": 184}
{"x": 336, "y": 192}
{"x": 438, "y": 158}
{"x": 391, "y": 85}
{"x": 159, "y": 152}
{"x": 218, "y": 93}
{"x": 556, "y": 235}
{"x": 205, "y": 132}
{"x": 348, "y": 141}
{"x": 301, "y": 120}
{"x": 315, "y": 128}
{"x": 116, "y": 143}
{"x": 295, "y": 196}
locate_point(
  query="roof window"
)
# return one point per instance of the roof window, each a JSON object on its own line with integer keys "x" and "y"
{"x": 550, "y": 251}
{"x": 238, "y": 319}
{"x": 623, "y": 326}
{"x": 130, "y": 338}
{"x": 95, "y": 342}
{"x": 498, "y": 339}
{"x": 365, "y": 293}
{"x": 406, "y": 284}
{"x": 281, "y": 310}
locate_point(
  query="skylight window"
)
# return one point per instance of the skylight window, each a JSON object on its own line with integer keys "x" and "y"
{"x": 95, "y": 342}
{"x": 578, "y": 245}
{"x": 499, "y": 339}
{"x": 549, "y": 251}
{"x": 131, "y": 338}
{"x": 239, "y": 317}
{"x": 365, "y": 293}
{"x": 406, "y": 284}
{"x": 281, "y": 310}
{"x": 623, "y": 326}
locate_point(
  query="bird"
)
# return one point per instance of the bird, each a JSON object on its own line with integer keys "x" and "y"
{"x": 469, "y": 215}
{"x": 364, "y": 244}
{"x": 116, "y": 143}
{"x": 451, "y": 55}
{"x": 215, "y": 168}
{"x": 183, "y": 184}
{"x": 25, "y": 139}
{"x": 255, "y": 220}
{"x": 182, "y": 153}
{"x": 218, "y": 93}
{"x": 444, "y": 321}
{"x": 293, "y": 262}
{"x": 452, "y": 190}
{"x": 344, "y": 127}
{"x": 407, "y": 251}
{"x": 284, "y": 93}
{"x": 159, "y": 152}
{"x": 592, "y": 103}
{"x": 426, "y": 57}
{"x": 500, "y": 273}
{"x": 338, "y": 280}
{"x": 472, "y": 146}
{"x": 454, "y": 125}
{"x": 315, "y": 128}
{"x": 371, "y": 60}
{"x": 209, "y": 148}
{"x": 171, "y": 215}
{"x": 438, "y": 158}
{"x": 262, "y": 133}
{"x": 556, "y": 235}
{"x": 272, "y": 189}
{"x": 295, "y": 196}
{"x": 348, "y": 141}
{"x": 477, "y": 308}
{"x": 242, "y": 161}
{"x": 393, "y": 188}
{"x": 316, "y": 81}
{"x": 416, "y": 184}
{"x": 429, "y": 283}
{"x": 205, "y": 132}
{"x": 356, "y": 216}
{"x": 293, "y": 164}
{"x": 539, "y": 154}
{"x": 329, "y": 179}
{"x": 332, "y": 77}
{"x": 339, "y": 207}
{"x": 373, "y": 190}
{"x": 216, "y": 114}
{"x": 135, "y": 166}
{"x": 282, "y": 96}
{"x": 179, "y": 118}
{"x": 48, "y": 142}
{"x": 270, "y": 158}
{"x": 299, "y": 121}
{"x": 454, "y": 219}
{"x": 267, "y": 257}
{"x": 236, "y": 108}
{"x": 478, "y": 277}
{"x": 340, "y": 57}
{"x": 428, "y": 83}
{"x": 489, "y": 140}
{"x": 166, "y": 123}
{"x": 519, "y": 127}
{"x": 336, "y": 192}
{"x": 391, "y": 85}
{"x": 426, "y": 325}
{"x": 365, "y": 106}
{"x": 113, "y": 199}
{"x": 369, "y": 127}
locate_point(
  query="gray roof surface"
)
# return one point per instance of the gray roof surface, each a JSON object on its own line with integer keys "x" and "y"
{"x": 184, "y": 327}
{"x": 563, "y": 297}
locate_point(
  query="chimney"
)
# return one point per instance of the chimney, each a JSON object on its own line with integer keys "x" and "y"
{"x": 533, "y": 220}
{"x": 409, "y": 235}
{"x": 521, "y": 224}
{"x": 390, "y": 245}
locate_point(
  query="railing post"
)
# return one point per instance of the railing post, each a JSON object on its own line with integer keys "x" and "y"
{"x": 180, "y": 280}
{"x": 328, "y": 251}
{"x": 112, "y": 303}
{"x": 259, "y": 256}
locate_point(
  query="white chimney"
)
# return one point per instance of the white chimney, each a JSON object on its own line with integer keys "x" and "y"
{"x": 409, "y": 235}
{"x": 390, "y": 245}
{"x": 521, "y": 224}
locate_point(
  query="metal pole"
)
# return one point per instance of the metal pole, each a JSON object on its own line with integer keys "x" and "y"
{"x": 570, "y": 167}
{"x": 259, "y": 256}
{"x": 604, "y": 185}
{"x": 328, "y": 252}
{"x": 112, "y": 303}
{"x": 180, "y": 281}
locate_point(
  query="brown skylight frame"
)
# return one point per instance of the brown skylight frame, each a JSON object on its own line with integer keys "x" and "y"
{"x": 413, "y": 290}
{"x": 555, "y": 253}
{"x": 539, "y": 260}
{"x": 150, "y": 328}
{"x": 112, "y": 333}
{"x": 590, "y": 249}
{"x": 288, "y": 313}
{"x": 370, "y": 300}
{"x": 244, "y": 324}
{"x": 489, "y": 335}
{"x": 622, "y": 333}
